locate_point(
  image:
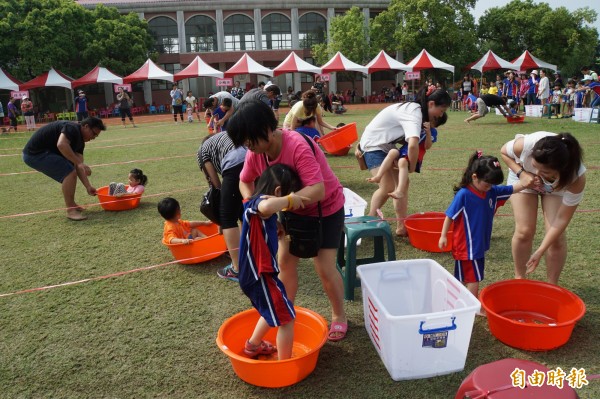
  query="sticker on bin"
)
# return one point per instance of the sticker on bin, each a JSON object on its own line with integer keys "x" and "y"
{"x": 436, "y": 337}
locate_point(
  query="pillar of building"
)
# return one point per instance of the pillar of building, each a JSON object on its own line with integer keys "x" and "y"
{"x": 147, "y": 92}
{"x": 257, "y": 29}
{"x": 295, "y": 29}
{"x": 367, "y": 78}
{"x": 109, "y": 95}
{"x": 181, "y": 32}
{"x": 220, "y": 30}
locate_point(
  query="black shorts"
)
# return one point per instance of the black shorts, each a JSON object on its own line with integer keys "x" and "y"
{"x": 231, "y": 209}
{"x": 332, "y": 227}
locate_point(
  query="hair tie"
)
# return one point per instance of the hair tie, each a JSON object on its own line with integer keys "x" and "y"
{"x": 497, "y": 164}
{"x": 479, "y": 153}
{"x": 430, "y": 90}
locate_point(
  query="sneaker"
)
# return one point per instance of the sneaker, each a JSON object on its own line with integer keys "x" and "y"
{"x": 111, "y": 188}
{"x": 120, "y": 189}
{"x": 228, "y": 273}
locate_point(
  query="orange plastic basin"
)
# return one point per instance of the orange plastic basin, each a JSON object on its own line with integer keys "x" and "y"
{"x": 515, "y": 119}
{"x": 200, "y": 250}
{"x": 424, "y": 231}
{"x": 344, "y": 151}
{"x": 531, "y": 315}
{"x": 112, "y": 203}
{"x": 339, "y": 139}
{"x": 310, "y": 334}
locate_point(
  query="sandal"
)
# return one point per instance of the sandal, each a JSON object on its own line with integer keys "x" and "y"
{"x": 337, "y": 331}
{"x": 264, "y": 348}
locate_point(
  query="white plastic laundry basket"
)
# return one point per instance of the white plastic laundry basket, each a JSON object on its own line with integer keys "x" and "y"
{"x": 354, "y": 204}
{"x": 419, "y": 317}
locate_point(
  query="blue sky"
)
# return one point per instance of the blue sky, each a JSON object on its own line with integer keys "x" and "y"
{"x": 571, "y": 5}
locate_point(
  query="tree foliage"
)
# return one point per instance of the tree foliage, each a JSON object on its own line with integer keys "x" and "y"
{"x": 554, "y": 35}
{"x": 445, "y": 28}
{"x": 62, "y": 34}
{"x": 349, "y": 35}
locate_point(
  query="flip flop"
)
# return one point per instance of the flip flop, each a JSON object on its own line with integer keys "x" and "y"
{"x": 76, "y": 218}
{"x": 337, "y": 331}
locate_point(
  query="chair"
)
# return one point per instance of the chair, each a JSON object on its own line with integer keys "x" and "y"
{"x": 161, "y": 109}
{"x": 355, "y": 229}
{"x": 72, "y": 116}
{"x": 6, "y": 120}
{"x": 153, "y": 109}
{"x": 48, "y": 117}
{"x": 115, "y": 111}
{"x": 103, "y": 112}
{"x": 20, "y": 119}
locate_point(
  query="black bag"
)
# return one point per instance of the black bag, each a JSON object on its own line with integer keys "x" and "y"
{"x": 305, "y": 234}
{"x": 211, "y": 203}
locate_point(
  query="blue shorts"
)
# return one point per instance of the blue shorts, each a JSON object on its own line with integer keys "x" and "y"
{"x": 469, "y": 271}
{"x": 374, "y": 159}
{"x": 51, "y": 164}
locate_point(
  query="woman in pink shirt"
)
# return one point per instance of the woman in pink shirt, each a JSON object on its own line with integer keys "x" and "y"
{"x": 254, "y": 126}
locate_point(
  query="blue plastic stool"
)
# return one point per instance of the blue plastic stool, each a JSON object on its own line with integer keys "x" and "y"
{"x": 355, "y": 229}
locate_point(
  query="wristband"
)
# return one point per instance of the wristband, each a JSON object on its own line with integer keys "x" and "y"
{"x": 519, "y": 172}
{"x": 290, "y": 203}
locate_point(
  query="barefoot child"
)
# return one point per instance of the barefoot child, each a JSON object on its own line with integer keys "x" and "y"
{"x": 258, "y": 265}
{"x": 476, "y": 199}
{"x": 176, "y": 230}
{"x": 137, "y": 184}
{"x": 400, "y": 157}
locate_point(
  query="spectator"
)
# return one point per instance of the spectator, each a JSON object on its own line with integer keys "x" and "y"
{"x": 533, "y": 87}
{"x": 319, "y": 86}
{"x": 543, "y": 89}
{"x": 81, "y": 105}
{"x": 177, "y": 102}
{"x": 125, "y": 103}
{"x": 27, "y": 110}
{"x": 237, "y": 90}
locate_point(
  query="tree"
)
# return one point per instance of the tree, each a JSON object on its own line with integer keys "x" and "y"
{"x": 348, "y": 34}
{"x": 445, "y": 28}
{"x": 544, "y": 31}
{"x": 64, "y": 35}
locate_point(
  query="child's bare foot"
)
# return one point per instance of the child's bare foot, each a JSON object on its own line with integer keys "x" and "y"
{"x": 374, "y": 179}
{"x": 396, "y": 194}
{"x": 401, "y": 232}
{"x": 468, "y": 121}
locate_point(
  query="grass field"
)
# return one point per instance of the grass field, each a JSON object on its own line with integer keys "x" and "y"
{"x": 151, "y": 333}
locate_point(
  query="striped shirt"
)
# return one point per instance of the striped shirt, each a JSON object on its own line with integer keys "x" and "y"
{"x": 214, "y": 150}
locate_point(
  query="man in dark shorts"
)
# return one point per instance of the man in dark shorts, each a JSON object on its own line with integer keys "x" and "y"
{"x": 485, "y": 101}
{"x": 56, "y": 150}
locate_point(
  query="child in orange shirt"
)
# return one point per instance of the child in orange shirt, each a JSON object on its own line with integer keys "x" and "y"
{"x": 176, "y": 230}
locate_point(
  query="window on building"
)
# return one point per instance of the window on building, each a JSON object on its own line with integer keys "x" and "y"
{"x": 312, "y": 29}
{"x": 164, "y": 31}
{"x": 201, "y": 34}
{"x": 163, "y": 84}
{"x": 276, "y": 32}
{"x": 239, "y": 33}
{"x": 307, "y": 77}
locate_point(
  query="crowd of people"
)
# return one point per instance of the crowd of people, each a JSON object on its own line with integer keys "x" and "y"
{"x": 557, "y": 97}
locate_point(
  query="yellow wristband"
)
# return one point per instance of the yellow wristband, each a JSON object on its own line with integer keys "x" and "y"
{"x": 289, "y": 197}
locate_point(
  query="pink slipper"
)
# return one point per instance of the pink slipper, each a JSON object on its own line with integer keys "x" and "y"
{"x": 337, "y": 331}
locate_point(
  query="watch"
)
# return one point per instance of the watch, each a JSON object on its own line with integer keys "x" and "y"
{"x": 519, "y": 172}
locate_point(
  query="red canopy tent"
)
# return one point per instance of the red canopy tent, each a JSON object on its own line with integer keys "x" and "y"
{"x": 148, "y": 71}
{"x": 8, "y": 82}
{"x": 52, "y": 78}
{"x": 293, "y": 63}
{"x": 491, "y": 61}
{"x": 97, "y": 75}
{"x": 383, "y": 62}
{"x": 196, "y": 69}
{"x": 246, "y": 65}
{"x": 426, "y": 61}
{"x": 528, "y": 61}
{"x": 339, "y": 63}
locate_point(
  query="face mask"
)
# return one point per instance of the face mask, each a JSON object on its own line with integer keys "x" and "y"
{"x": 549, "y": 186}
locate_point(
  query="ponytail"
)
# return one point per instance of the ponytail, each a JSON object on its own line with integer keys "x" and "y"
{"x": 562, "y": 153}
{"x": 310, "y": 102}
{"x": 485, "y": 167}
{"x": 440, "y": 97}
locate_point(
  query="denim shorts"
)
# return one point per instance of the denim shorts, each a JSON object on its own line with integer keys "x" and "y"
{"x": 51, "y": 164}
{"x": 374, "y": 159}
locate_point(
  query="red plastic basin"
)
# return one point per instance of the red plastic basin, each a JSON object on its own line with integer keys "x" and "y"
{"x": 112, "y": 203}
{"x": 424, "y": 231}
{"x": 531, "y": 315}
{"x": 339, "y": 139}
{"x": 515, "y": 119}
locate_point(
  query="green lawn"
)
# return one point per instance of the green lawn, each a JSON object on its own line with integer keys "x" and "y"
{"x": 152, "y": 333}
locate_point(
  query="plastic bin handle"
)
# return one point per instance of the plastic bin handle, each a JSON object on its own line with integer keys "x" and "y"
{"x": 386, "y": 274}
{"x": 439, "y": 329}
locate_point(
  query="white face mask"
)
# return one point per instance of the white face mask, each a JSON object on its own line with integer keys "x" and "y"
{"x": 549, "y": 186}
